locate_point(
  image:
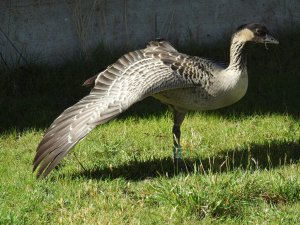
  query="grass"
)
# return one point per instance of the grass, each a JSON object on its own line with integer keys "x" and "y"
{"x": 241, "y": 163}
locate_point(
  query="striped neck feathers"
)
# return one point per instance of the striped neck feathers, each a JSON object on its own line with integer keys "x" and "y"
{"x": 238, "y": 57}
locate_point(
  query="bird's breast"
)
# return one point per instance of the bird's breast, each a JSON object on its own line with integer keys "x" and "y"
{"x": 223, "y": 92}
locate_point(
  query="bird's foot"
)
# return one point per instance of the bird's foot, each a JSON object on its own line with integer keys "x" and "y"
{"x": 177, "y": 152}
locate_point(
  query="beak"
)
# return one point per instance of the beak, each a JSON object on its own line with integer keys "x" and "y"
{"x": 270, "y": 39}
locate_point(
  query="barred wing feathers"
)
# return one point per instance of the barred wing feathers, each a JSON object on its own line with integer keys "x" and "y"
{"x": 133, "y": 77}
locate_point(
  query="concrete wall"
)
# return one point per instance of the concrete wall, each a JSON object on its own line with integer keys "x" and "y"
{"x": 53, "y": 30}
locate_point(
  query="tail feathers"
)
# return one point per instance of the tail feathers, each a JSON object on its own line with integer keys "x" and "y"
{"x": 90, "y": 81}
{"x": 69, "y": 128}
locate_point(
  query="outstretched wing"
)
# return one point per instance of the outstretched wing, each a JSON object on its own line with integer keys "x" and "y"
{"x": 133, "y": 77}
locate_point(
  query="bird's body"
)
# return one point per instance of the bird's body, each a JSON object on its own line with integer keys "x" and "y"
{"x": 176, "y": 79}
{"x": 225, "y": 89}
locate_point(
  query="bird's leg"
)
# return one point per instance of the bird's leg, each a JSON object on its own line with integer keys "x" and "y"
{"x": 178, "y": 119}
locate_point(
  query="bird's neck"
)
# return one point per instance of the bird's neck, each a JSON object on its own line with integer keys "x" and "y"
{"x": 238, "y": 58}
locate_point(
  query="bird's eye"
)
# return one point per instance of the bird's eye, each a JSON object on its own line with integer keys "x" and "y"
{"x": 260, "y": 32}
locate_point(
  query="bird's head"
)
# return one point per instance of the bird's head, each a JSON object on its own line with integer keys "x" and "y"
{"x": 254, "y": 32}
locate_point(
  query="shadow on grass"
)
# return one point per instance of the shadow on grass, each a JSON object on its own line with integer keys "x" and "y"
{"x": 256, "y": 156}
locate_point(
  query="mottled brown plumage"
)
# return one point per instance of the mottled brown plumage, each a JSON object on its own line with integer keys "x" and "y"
{"x": 181, "y": 81}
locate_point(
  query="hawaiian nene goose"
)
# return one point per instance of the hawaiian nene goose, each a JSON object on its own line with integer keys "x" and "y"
{"x": 184, "y": 82}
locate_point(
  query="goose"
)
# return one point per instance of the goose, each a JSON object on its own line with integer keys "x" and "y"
{"x": 181, "y": 81}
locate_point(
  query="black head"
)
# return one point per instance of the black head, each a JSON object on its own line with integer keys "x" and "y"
{"x": 255, "y": 32}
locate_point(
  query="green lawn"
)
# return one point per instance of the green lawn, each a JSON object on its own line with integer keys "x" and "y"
{"x": 241, "y": 164}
